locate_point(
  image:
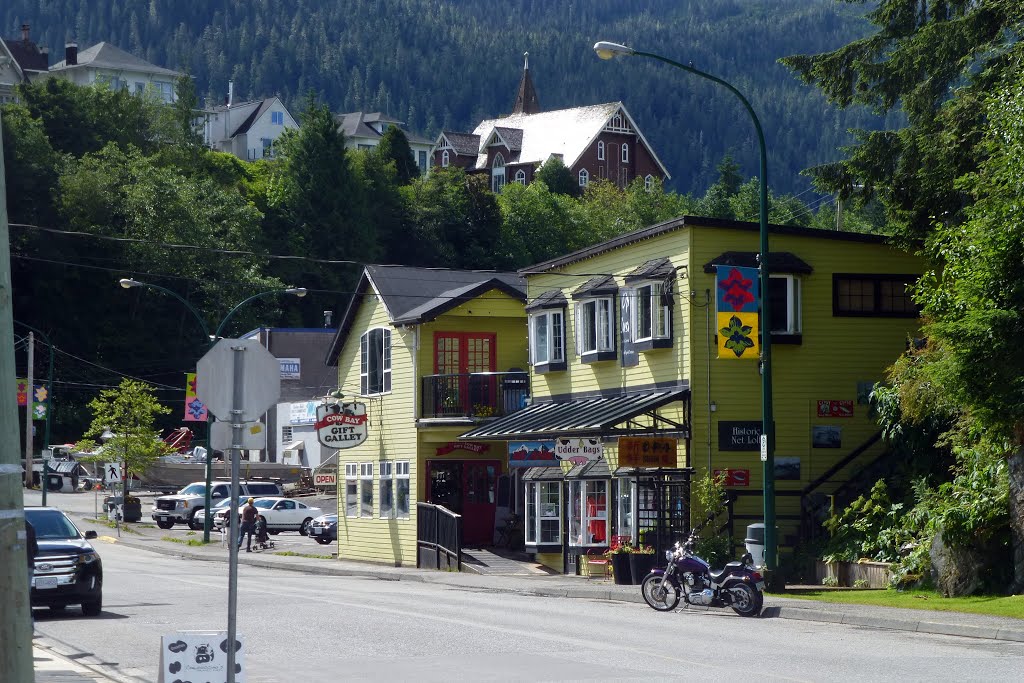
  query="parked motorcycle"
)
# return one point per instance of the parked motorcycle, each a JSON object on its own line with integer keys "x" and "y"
{"x": 737, "y": 585}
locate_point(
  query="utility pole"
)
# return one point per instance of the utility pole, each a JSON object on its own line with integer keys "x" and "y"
{"x": 15, "y": 620}
{"x": 29, "y": 460}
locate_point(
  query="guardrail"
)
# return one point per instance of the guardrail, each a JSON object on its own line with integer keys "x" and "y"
{"x": 438, "y": 537}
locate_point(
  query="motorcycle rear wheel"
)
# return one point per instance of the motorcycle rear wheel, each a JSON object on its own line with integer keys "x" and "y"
{"x": 746, "y": 601}
{"x": 659, "y": 594}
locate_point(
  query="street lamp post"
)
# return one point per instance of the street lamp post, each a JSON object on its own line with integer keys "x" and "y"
{"x": 606, "y": 50}
{"x": 300, "y": 292}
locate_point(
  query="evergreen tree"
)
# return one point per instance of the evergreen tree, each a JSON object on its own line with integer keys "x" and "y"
{"x": 394, "y": 147}
{"x": 557, "y": 177}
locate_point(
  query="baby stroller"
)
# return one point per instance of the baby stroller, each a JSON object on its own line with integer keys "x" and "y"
{"x": 263, "y": 541}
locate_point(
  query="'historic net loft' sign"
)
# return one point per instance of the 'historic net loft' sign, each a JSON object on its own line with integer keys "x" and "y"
{"x": 341, "y": 425}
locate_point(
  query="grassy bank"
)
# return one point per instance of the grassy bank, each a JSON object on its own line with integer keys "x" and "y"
{"x": 995, "y": 605}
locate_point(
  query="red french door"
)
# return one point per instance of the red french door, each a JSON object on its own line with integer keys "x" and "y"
{"x": 479, "y": 500}
{"x": 457, "y": 355}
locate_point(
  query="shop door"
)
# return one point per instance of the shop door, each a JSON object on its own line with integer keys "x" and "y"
{"x": 479, "y": 500}
{"x": 444, "y": 484}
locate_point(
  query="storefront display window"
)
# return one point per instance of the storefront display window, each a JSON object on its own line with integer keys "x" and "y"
{"x": 543, "y": 519}
{"x": 624, "y": 505}
{"x": 588, "y": 512}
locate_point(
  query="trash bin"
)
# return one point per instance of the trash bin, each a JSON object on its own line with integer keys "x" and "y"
{"x": 755, "y": 543}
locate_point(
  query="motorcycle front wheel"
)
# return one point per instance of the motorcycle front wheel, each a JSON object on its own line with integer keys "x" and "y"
{"x": 659, "y": 593}
{"x": 746, "y": 601}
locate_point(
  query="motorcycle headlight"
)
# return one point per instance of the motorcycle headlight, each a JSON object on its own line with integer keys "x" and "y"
{"x": 668, "y": 555}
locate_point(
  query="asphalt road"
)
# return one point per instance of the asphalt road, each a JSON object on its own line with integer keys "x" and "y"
{"x": 300, "y": 628}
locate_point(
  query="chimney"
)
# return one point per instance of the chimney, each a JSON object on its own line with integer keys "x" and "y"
{"x": 231, "y": 93}
{"x": 70, "y": 54}
{"x": 24, "y": 32}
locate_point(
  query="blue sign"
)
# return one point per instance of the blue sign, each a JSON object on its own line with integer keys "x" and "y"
{"x": 532, "y": 454}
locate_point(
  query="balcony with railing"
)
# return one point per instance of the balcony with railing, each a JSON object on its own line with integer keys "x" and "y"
{"x": 478, "y": 395}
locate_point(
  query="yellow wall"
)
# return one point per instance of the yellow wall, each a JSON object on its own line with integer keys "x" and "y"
{"x": 392, "y": 418}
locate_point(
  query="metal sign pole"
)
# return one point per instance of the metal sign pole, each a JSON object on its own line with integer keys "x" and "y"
{"x": 237, "y": 426}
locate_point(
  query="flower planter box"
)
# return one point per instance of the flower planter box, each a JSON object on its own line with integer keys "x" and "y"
{"x": 640, "y": 565}
{"x": 620, "y": 569}
{"x": 876, "y": 574}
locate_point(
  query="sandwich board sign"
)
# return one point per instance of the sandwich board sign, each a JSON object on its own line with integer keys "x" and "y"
{"x": 199, "y": 656}
{"x": 341, "y": 425}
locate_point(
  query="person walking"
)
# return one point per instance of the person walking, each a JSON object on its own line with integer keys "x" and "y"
{"x": 249, "y": 515}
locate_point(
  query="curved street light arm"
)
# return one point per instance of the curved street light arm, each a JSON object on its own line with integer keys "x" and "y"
{"x": 128, "y": 283}
{"x": 608, "y": 50}
{"x": 296, "y": 291}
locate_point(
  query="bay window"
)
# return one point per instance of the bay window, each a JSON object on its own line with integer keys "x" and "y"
{"x": 652, "y": 317}
{"x": 588, "y": 512}
{"x": 547, "y": 340}
{"x": 595, "y": 329}
{"x": 543, "y": 512}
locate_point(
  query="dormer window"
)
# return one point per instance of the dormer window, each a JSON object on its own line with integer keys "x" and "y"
{"x": 600, "y": 150}
{"x": 498, "y": 173}
{"x": 625, "y": 153}
{"x": 444, "y": 159}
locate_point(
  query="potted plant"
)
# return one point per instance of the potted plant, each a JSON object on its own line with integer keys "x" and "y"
{"x": 619, "y": 557}
{"x": 132, "y": 509}
{"x": 641, "y": 562}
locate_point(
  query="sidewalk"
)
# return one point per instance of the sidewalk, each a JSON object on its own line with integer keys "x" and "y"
{"x": 51, "y": 667}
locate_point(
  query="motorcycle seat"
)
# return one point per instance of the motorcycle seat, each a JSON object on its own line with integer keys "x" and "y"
{"x": 729, "y": 568}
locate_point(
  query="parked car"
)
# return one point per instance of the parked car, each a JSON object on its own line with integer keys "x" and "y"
{"x": 200, "y": 516}
{"x": 280, "y": 514}
{"x": 182, "y": 506}
{"x": 324, "y": 529}
{"x": 68, "y": 570}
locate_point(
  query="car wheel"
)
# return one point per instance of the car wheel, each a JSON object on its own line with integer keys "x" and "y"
{"x": 275, "y": 532}
{"x": 322, "y": 540}
{"x": 165, "y": 523}
{"x": 93, "y": 607}
{"x": 304, "y": 529}
{"x": 193, "y": 524}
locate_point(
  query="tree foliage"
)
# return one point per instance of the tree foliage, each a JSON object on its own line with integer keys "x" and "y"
{"x": 129, "y": 414}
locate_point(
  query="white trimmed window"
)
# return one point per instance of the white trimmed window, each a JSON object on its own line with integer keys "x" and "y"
{"x": 648, "y": 182}
{"x": 584, "y": 177}
{"x": 784, "y": 298}
{"x": 402, "y": 489}
{"x": 351, "y": 489}
{"x": 366, "y": 489}
{"x": 652, "y": 315}
{"x": 387, "y": 489}
{"x": 595, "y": 326}
{"x": 277, "y": 118}
{"x": 543, "y": 512}
{"x": 521, "y": 177}
{"x": 625, "y": 153}
{"x": 547, "y": 337}
{"x": 444, "y": 158}
{"x": 600, "y": 150}
{"x": 375, "y": 362}
{"x": 588, "y": 512}
{"x": 498, "y": 173}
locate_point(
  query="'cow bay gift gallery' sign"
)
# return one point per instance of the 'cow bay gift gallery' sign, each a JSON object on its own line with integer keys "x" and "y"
{"x": 341, "y": 425}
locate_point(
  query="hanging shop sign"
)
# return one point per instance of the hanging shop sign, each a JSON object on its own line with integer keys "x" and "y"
{"x": 578, "y": 451}
{"x": 341, "y": 425}
{"x": 532, "y": 454}
{"x": 835, "y": 408}
{"x": 647, "y": 451}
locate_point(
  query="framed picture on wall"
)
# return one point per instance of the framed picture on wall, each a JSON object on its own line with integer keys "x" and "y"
{"x": 826, "y": 436}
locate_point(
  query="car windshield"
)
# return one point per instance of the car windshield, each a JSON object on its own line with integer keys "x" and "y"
{"x": 194, "y": 489}
{"x": 223, "y": 503}
{"x": 51, "y": 524}
{"x": 265, "y": 504}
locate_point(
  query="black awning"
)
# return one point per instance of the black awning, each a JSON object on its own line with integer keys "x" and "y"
{"x": 599, "y": 416}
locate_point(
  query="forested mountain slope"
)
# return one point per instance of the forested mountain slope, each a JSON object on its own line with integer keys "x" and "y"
{"x": 446, "y": 64}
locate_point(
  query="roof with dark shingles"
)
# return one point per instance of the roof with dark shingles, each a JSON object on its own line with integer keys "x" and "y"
{"x": 553, "y": 298}
{"x": 416, "y": 295}
{"x": 681, "y": 222}
{"x": 27, "y": 54}
{"x": 653, "y": 269}
{"x": 595, "y": 286}
{"x": 513, "y": 137}
{"x": 254, "y": 116}
{"x": 464, "y": 143}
